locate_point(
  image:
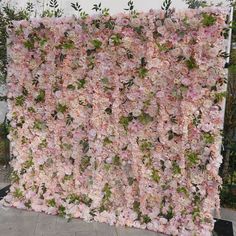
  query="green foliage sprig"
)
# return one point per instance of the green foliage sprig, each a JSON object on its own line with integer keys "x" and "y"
{"x": 166, "y": 7}
{"x": 53, "y": 4}
{"x": 55, "y": 12}
{"x": 76, "y": 6}
{"x": 83, "y": 15}
{"x": 103, "y": 11}
{"x": 193, "y": 4}
{"x": 131, "y": 9}
{"x": 208, "y": 19}
{"x": 30, "y": 7}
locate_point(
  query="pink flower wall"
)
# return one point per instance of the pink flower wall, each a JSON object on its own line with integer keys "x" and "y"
{"x": 118, "y": 119}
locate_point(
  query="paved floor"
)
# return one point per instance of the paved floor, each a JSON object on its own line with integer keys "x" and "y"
{"x": 14, "y": 222}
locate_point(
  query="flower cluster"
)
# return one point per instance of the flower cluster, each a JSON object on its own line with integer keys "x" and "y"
{"x": 118, "y": 118}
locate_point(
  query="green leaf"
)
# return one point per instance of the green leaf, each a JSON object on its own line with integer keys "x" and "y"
{"x": 47, "y": 13}
{"x": 116, "y": 39}
{"x": 85, "y": 163}
{"x": 182, "y": 190}
{"x": 71, "y": 87}
{"x": 146, "y": 219}
{"x": 18, "y": 193}
{"x": 191, "y": 63}
{"x": 102, "y": 208}
{"x": 139, "y": 29}
{"x": 107, "y": 192}
{"x": 28, "y": 204}
{"x": 196, "y": 213}
{"x": 53, "y": 4}
{"x": 51, "y": 202}
{"x": 96, "y": 43}
{"x": 145, "y": 145}
{"x": 42, "y": 42}
{"x": 66, "y": 146}
{"x": 43, "y": 144}
{"x": 85, "y": 199}
{"x": 20, "y": 100}
{"x": 192, "y": 158}
{"x": 131, "y": 180}
{"x": 175, "y": 168}
{"x": 14, "y": 177}
{"x": 171, "y": 134}
{"x": 170, "y": 213}
{"x": 73, "y": 198}
{"x": 68, "y": 44}
{"x": 81, "y": 83}
{"x": 163, "y": 167}
{"x": 124, "y": 121}
{"x": 41, "y": 96}
{"x": 116, "y": 160}
{"x": 97, "y": 7}
{"x": 105, "y": 12}
{"x": 85, "y": 145}
{"x": 91, "y": 60}
{"x": 208, "y": 138}
{"x": 196, "y": 120}
{"x": 219, "y": 97}
{"x": 163, "y": 47}
{"x": 83, "y": 15}
{"x": 19, "y": 30}
{"x": 27, "y": 164}
{"x": 69, "y": 119}
{"x": 110, "y": 24}
{"x": 67, "y": 177}
{"x": 62, "y": 211}
{"x": 76, "y": 6}
{"x": 25, "y": 91}
{"x": 143, "y": 72}
{"x": 39, "y": 125}
{"x": 105, "y": 80}
{"x": 147, "y": 160}
{"x": 106, "y": 141}
{"x": 155, "y": 175}
{"x": 136, "y": 208}
{"x": 166, "y": 5}
{"x": 107, "y": 166}
{"x": 208, "y": 20}
{"x": 197, "y": 198}
{"x": 61, "y": 108}
{"x": 173, "y": 119}
{"x": 31, "y": 109}
{"x": 29, "y": 44}
{"x": 145, "y": 118}
{"x": 129, "y": 83}
{"x": 129, "y": 54}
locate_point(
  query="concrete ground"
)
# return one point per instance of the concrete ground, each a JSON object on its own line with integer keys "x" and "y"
{"x": 15, "y": 222}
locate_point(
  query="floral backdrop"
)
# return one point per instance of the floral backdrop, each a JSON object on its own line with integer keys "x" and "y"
{"x": 118, "y": 119}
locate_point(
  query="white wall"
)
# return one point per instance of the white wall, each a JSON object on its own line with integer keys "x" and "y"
{"x": 114, "y": 5}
